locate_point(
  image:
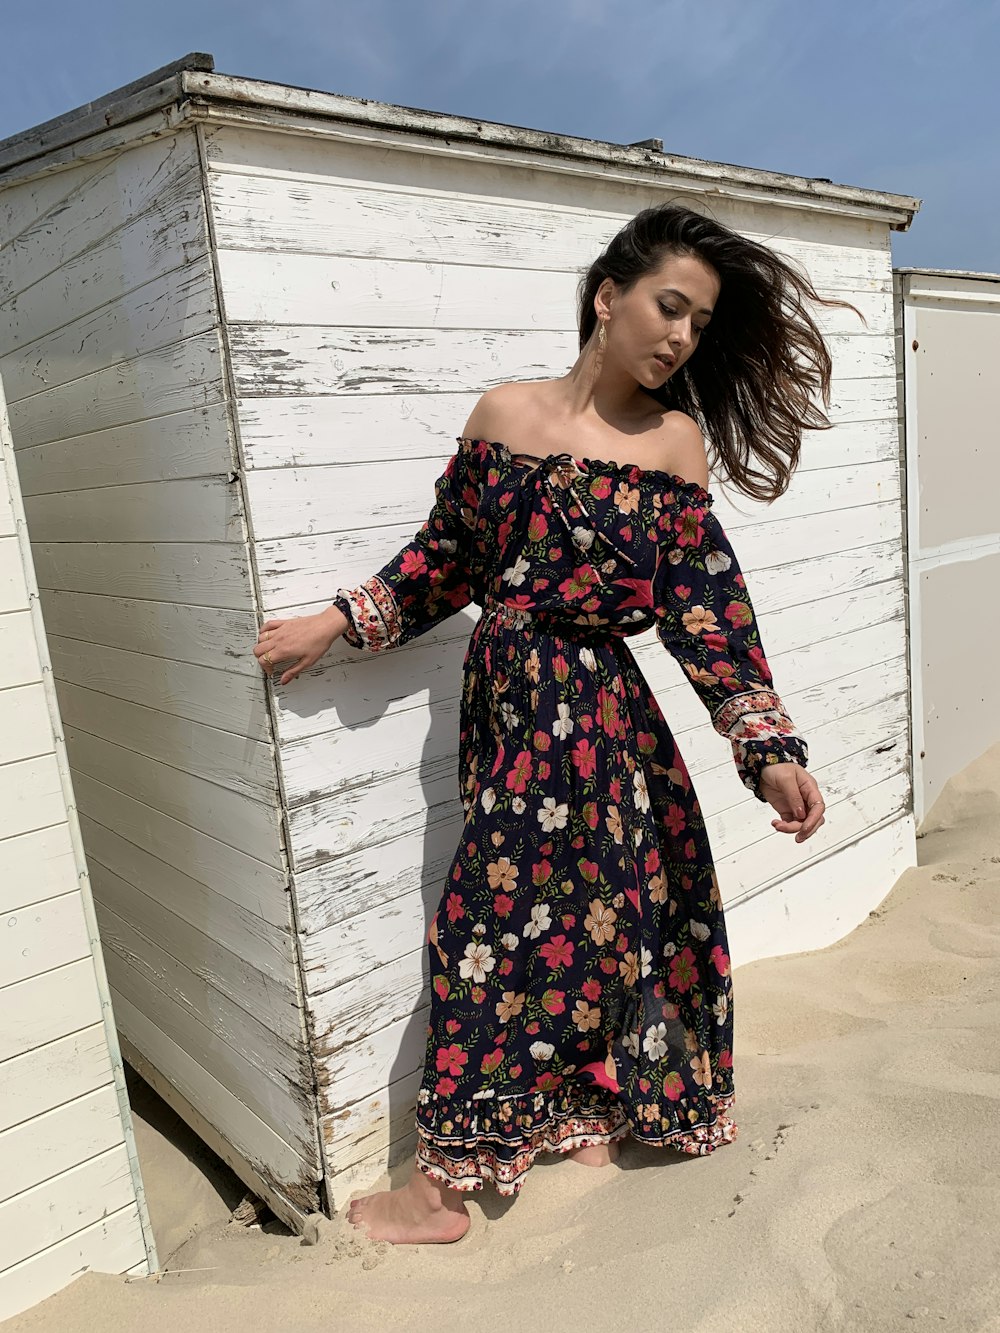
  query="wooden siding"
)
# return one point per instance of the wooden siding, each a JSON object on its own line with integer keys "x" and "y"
{"x": 70, "y": 1191}
{"x": 113, "y": 353}
{"x": 370, "y": 297}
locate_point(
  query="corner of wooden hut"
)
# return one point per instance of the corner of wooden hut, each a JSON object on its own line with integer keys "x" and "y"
{"x": 243, "y": 324}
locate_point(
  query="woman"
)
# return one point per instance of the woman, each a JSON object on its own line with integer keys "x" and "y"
{"x": 580, "y": 979}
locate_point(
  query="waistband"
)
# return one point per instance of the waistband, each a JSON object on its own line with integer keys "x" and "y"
{"x": 553, "y": 623}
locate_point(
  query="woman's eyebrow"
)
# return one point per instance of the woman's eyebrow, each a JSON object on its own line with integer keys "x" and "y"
{"x": 687, "y": 300}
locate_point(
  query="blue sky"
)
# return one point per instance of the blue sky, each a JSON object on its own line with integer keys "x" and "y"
{"x": 880, "y": 93}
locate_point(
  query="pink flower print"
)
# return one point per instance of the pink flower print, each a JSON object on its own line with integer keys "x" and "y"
{"x": 503, "y": 904}
{"x": 592, "y": 989}
{"x": 451, "y": 1058}
{"x": 520, "y": 774}
{"x": 538, "y": 527}
{"x": 673, "y": 1086}
{"x": 579, "y": 584}
{"x": 541, "y": 872}
{"x": 584, "y": 758}
{"x": 738, "y": 614}
{"x": 607, "y": 712}
{"x": 557, "y": 952}
{"x": 590, "y": 814}
{"x": 414, "y": 564}
{"x": 554, "y": 1001}
{"x": 454, "y": 907}
{"x": 445, "y": 1087}
{"x": 688, "y": 527}
{"x": 675, "y": 819}
{"x": 720, "y": 960}
{"x": 757, "y": 657}
{"x": 560, "y": 669}
{"x": 491, "y": 1061}
{"x": 683, "y": 973}
{"x": 652, "y": 862}
{"x": 442, "y": 987}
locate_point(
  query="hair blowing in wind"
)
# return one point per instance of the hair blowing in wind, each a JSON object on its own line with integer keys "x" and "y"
{"x": 760, "y": 366}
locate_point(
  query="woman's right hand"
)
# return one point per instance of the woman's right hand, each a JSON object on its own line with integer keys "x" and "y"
{"x": 301, "y": 641}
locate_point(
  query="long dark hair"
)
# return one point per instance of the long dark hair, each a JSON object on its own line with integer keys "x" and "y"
{"x": 751, "y": 382}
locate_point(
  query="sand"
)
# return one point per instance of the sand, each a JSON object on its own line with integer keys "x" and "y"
{"x": 861, "y": 1193}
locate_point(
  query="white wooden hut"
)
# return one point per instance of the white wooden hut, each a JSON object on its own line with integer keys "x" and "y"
{"x": 948, "y": 331}
{"x": 71, "y": 1194}
{"x": 243, "y": 324}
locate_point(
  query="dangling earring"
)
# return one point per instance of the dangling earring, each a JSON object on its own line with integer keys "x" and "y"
{"x": 602, "y": 337}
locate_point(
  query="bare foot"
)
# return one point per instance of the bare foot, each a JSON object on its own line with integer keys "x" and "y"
{"x": 421, "y": 1212}
{"x": 596, "y": 1154}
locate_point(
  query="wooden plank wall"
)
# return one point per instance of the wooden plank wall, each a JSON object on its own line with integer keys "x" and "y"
{"x": 111, "y": 348}
{"x": 370, "y": 297}
{"x": 70, "y": 1192}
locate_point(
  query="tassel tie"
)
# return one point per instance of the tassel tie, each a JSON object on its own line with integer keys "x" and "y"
{"x": 559, "y": 472}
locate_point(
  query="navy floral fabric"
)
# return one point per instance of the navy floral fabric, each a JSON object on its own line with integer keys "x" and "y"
{"x": 579, "y": 967}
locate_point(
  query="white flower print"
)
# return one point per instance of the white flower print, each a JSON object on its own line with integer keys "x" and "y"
{"x": 516, "y": 572}
{"x": 646, "y": 961}
{"x": 541, "y": 1050}
{"x": 717, "y": 562}
{"x": 720, "y": 1009}
{"x": 588, "y": 659}
{"x": 641, "y": 790}
{"x": 669, "y": 949}
{"x": 583, "y": 538}
{"x": 519, "y": 805}
{"x": 509, "y": 941}
{"x": 655, "y": 1041}
{"x": 631, "y": 1043}
{"x": 552, "y": 816}
{"x": 477, "y": 962}
{"x": 563, "y": 724}
{"x": 488, "y": 799}
{"x": 509, "y": 715}
{"x": 540, "y": 920}
{"x": 699, "y": 930}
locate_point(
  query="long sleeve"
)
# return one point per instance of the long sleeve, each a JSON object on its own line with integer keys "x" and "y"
{"x": 705, "y": 618}
{"x": 430, "y": 578}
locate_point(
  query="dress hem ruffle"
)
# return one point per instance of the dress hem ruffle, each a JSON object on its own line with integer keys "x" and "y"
{"x": 465, "y": 1161}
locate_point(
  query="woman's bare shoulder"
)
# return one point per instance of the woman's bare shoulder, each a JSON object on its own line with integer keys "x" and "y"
{"x": 505, "y": 410}
{"x": 681, "y": 446}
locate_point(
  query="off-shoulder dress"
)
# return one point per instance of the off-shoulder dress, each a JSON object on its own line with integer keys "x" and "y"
{"x": 578, "y": 960}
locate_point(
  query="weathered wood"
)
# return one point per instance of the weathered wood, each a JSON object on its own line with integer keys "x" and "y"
{"x": 390, "y": 293}
{"x": 293, "y": 360}
{"x": 165, "y": 448}
{"x": 255, "y": 1065}
{"x": 250, "y": 1142}
{"x": 373, "y": 428}
{"x": 250, "y": 823}
{"x": 171, "y": 379}
{"x": 95, "y": 206}
{"x": 155, "y": 315}
{"x": 258, "y": 887}
{"x": 206, "y": 636}
{"x": 231, "y": 701}
{"x": 205, "y": 574}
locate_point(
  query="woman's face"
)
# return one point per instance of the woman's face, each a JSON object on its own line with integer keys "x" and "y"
{"x": 661, "y": 316}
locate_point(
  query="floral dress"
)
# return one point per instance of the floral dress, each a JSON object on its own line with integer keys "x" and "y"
{"x": 579, "y": 967}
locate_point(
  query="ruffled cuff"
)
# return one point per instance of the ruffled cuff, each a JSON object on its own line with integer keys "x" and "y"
{"x": 373, "y": 619}
{"x": 761, "y": 733}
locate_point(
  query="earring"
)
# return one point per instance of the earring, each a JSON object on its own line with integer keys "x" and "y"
{"x": 602, "y": 337}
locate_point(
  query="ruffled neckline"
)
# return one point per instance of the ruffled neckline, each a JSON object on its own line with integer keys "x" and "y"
{"x": 601, "y": 465}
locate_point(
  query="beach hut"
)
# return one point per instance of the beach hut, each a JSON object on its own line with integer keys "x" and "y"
{"x": 71, "y": 1195}
{"x": 242, "y": 325}
{"x": 948, "y": 346}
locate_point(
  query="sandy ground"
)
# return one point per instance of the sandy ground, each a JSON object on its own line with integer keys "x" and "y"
{"x": 862, "y": 1192}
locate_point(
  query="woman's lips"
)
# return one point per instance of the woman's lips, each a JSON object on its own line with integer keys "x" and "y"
{"x": 666, "y": 365}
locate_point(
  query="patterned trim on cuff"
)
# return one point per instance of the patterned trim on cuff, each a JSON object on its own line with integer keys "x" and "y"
{"x": 761, "y": 733}
{"x": 373, "y": 613}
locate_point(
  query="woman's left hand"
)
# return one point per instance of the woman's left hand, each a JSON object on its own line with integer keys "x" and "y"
{"x": 793, "y": 792}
